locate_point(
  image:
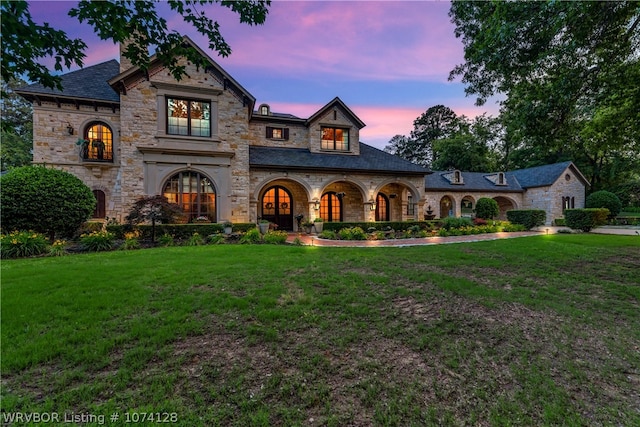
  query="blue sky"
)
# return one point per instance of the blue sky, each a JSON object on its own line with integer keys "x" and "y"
{"x": 389, "y": 61}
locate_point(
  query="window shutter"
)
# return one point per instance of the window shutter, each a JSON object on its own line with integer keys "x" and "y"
{"x": 285, "y": 133}
{"x": 269, "y": 132}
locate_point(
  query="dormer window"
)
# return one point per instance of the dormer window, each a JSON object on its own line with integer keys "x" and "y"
{"x": 264, "y": 110}
{"x": 501, "y": 180}
{"x": 457, "y": 177}
{"x": 336, "y": 139}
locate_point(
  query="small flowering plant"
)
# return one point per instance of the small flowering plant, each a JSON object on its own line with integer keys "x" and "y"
{"x": 59, "y": 248}
{"x": 97, "y": 241}
{"x": 20, "y": 244}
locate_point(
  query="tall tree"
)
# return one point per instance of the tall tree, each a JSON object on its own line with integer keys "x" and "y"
{"x": 17, "y": 127}
{"x": 436, "y": 123}
{"x": 568, "y": 71}
{"x": 25, "y": 43}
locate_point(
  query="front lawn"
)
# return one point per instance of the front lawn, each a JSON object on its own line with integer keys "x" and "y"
{"x": 540, "y": 330}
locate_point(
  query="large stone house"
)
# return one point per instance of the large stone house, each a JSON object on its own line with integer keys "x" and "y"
{"x": 204, "y": 144}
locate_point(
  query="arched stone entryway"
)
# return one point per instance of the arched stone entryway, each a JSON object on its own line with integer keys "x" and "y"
{"x": 280, "y": 200}
{"x": 504, "y": 205}
{"x": 447, "y": 207}
{"x": 341, "y": 201}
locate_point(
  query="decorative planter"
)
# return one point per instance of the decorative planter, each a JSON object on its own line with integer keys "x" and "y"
{"x": 264, "y": 227}
{"x": 319, "y": 226}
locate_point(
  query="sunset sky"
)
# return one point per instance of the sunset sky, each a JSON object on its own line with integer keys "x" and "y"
{"x": 389, "y": 61}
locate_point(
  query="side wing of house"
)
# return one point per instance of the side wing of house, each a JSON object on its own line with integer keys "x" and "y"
{"x": 553, "y": 188}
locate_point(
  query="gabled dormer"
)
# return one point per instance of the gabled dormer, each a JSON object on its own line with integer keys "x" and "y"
{"x": 497, "y": 178}
{"x": 334, "y": 129}
{"x": 454, "y": 177}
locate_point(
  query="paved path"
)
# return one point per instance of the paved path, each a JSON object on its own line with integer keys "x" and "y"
{"x": 312, "y": 240}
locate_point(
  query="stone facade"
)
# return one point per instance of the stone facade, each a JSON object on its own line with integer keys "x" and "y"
{"x": 150, "y": 158}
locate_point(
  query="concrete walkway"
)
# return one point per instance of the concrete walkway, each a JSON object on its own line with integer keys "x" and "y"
{"x": 313, "y": 240}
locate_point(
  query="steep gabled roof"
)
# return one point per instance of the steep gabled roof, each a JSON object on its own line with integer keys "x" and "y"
{"x": 542, "y": 176}
{"x": 213, "y": 67}
{"x": 472, "y": 181}
{"x": 370, "y": 160}
{"x": 336, "y": 102}
{"x": 86, "y": 84}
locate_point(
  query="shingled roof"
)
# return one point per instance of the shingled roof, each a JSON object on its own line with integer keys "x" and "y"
{"x": 472, "y": 181}
{"x": 515, "y": 181}
{"x": 88, "y": 83}
{"x": 542, "y": 176}
{"x": 370, "y": 160}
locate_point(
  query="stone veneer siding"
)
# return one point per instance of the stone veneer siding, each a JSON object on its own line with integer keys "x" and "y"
{"x": 550, "y": 198}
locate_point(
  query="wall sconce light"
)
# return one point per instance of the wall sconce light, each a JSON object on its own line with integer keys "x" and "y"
{"x": 372, "y": 205}
{"x": 316, "y": 204}
{"x": 341, "y": 195}
{"x": 69, "y": 128}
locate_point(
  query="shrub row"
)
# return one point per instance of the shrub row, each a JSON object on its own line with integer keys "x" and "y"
{"x": 529, "y": 218}
{"x": 177, "y": 231}
{"x": 586, "y": 219}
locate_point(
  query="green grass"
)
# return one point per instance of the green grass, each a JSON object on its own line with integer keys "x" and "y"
{"x": 540, "y": 330}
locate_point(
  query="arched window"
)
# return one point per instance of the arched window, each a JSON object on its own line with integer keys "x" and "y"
{"x": 100, "y": 210}
{"x": 195, "y": 194}
{"x": 466, "y": 206}
{"x": 98, "y": 143}
{"x": 331, "y": 206}
{"x": 382, "y": 207}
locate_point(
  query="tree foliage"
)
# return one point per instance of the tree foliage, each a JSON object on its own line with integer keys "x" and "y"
{"x": 569, "y": 73}
{"x": 17, "y": 127}
{"x": 25, "y": 43}
{"x": 442, "y": 140}
{"x": 153, "y": 209}
{"x": 45, "y": 200}
{"x": 604, "y": 199}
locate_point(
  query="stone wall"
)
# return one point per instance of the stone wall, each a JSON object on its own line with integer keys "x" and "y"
{"x": 550, "y": 198}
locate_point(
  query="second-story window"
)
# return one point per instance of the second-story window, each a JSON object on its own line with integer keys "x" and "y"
{"x": 335, "y": 139}
{"x": 277, "y": 133}
{"x": 188, "y": 117}
{"x": 98, "y": 143}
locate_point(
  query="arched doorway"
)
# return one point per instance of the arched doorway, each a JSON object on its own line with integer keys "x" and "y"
{"x": 331, "y": 206}
{"x": 100, "y": 210}
{"x": 446, "y": 207}
{"x": 382, "y": 207}
{"x": 504, "y": 205}
{"x": 277, "y": 207}
{"x": 194, "y": 193}
{"x": 466, "y": 207}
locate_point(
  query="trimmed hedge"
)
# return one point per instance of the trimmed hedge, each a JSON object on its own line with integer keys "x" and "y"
{"x": 586, "y": 219}
{"x": 178, "y": 231}
{"x": 381, "y": 225}
{"x": 529, "y": 218}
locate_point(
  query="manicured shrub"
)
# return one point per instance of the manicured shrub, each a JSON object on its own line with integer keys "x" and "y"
{"x": 510, "y": 228}
{"x": 487, "y": 208}
{"x": 48, "y": 201}
{"x": 604, "y": 199}
{"x": 20, "y": 244}
{"x": 585, "y": 219}
{"x": 354, "y": 233}
{"x": 97, "y": 241}
{"x": 530, "y": 218}
{"x": 275, "y": 237}
{"x": 328, "y": 234}
{"x": 452, "y": 222}
{"x": 216, "y": 239}
{"x": 251, "y": 237}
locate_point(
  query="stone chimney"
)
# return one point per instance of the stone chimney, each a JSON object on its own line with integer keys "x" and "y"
{"x": 125, "y": 63}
